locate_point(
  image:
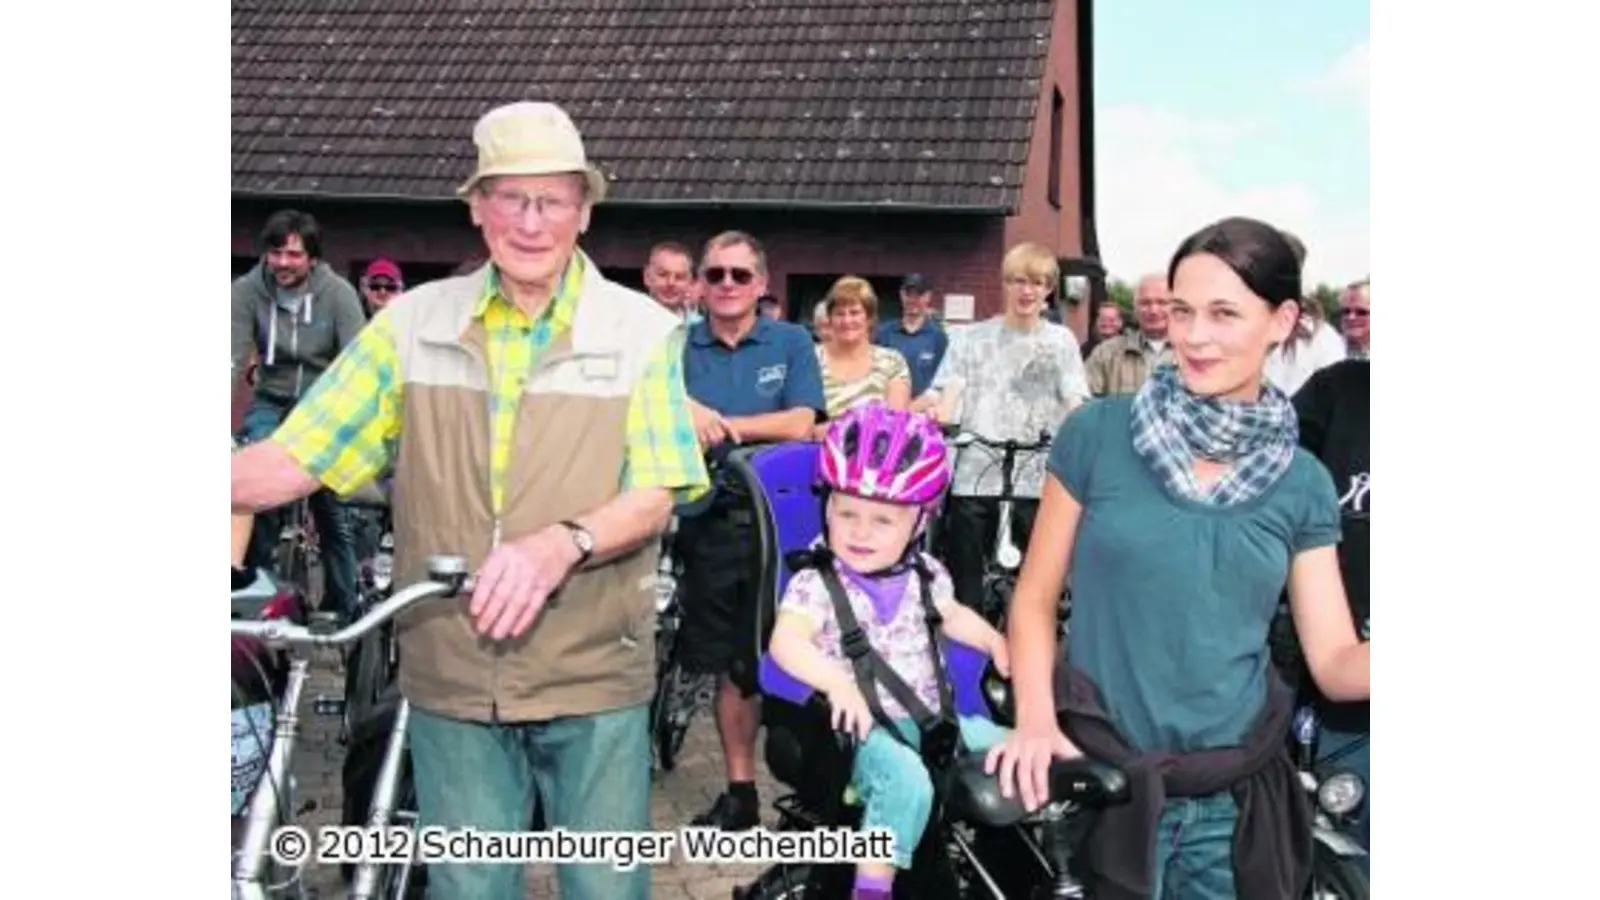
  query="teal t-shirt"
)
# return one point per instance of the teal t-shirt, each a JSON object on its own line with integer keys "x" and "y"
{"x": 1171, "y": 598}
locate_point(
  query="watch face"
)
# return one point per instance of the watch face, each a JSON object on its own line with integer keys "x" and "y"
{"x": 583, "y": 539}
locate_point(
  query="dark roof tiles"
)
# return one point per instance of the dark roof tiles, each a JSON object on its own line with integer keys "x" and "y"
{"x": 927, "y": 102}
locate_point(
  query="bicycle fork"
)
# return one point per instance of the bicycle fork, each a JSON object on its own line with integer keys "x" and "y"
{"x": 248, "y": 866}
{"x": 384, "y": 797}
{"x": 1006, "y": 553}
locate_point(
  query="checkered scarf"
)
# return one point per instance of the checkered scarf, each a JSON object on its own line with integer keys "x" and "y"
{"x": 1172, "y": 428}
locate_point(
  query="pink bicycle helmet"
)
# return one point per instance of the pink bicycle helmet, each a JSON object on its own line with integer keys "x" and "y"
{"x": 886, "y": 454}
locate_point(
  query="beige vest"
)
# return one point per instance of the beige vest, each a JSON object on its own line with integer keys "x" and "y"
{"x": 592, "y": 647}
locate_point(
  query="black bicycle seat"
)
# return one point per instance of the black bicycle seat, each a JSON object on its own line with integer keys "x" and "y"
{"x": 975, "y": 796}
{"x": 249, "y": 599}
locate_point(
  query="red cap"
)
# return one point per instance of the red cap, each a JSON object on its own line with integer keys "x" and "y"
{"x": 383, "y": 266}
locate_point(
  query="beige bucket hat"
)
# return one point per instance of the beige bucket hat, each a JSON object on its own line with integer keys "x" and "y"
{"x": 531, "y": 138}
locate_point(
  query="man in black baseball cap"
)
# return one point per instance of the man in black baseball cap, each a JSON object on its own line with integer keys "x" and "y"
{"x": 916, "y": 335}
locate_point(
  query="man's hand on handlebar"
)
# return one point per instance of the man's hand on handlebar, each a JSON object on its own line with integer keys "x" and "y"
{"x": 711, "y": 427}
{"x": 517, "y": 580}
{"x": 1023, "y": 759}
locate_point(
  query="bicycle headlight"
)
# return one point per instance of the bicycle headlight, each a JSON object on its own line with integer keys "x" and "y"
{"x": 1341, "y": 793}
{"x": 1009, "y": 557}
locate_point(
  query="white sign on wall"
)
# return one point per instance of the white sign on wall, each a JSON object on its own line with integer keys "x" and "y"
{"x": 959, "y": 307}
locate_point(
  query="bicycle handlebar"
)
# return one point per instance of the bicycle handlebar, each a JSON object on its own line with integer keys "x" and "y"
{"x": 447, "y": 575}
{"x": 959, "y": 438}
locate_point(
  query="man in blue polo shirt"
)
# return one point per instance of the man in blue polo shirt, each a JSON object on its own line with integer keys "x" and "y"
{"x": 750, "y": 379}
{"x": 915, "y": 334}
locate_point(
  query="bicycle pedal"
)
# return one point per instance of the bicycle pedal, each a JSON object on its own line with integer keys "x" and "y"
{"x": 324, "y": 705}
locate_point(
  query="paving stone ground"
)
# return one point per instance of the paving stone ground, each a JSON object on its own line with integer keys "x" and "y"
{"x": 675, "y": 799}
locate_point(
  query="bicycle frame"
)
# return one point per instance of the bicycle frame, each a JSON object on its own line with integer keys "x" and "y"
{"x": 1006, "y": 560}
{"x": 448, "y": 578}
{"x": 365, "y": 885}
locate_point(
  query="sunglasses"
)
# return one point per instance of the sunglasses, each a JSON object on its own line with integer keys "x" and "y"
{"x": 719, "y": 274}
{"x": 382, "y": 287}
{"x": 1354, "y": 313}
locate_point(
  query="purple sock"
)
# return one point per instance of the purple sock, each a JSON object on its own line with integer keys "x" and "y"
{"x": 873, "y": 887}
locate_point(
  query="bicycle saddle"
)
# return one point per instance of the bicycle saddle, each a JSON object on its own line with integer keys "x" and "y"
{"x": 975, "y": 796}
{"x": 249, "y": 599}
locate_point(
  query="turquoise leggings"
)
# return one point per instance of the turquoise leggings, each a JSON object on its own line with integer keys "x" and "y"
{"x": 894, "y": 786}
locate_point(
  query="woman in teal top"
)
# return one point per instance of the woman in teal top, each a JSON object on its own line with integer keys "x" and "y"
{"x": 1180, "y": 513}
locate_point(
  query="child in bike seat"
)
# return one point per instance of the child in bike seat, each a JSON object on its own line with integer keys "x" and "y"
{"x": 885, "y": 471}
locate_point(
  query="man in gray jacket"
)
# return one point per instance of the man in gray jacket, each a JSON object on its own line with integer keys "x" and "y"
{"x": 297, "y": 314}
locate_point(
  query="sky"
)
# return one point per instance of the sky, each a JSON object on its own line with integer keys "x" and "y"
{"x": 1231, "y": 107}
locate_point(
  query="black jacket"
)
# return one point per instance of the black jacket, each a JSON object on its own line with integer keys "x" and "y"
{"x": 1272, "y": 835}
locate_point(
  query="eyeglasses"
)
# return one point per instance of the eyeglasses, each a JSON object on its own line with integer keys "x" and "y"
{"x": 514, "y": 205}
{"x": 382, "y": 287}
{"x": 1354, "y": 313}
{"x": 719, "y": 274}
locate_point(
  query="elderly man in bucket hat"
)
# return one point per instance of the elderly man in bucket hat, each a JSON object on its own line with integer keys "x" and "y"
{"x": 536, "y": 417}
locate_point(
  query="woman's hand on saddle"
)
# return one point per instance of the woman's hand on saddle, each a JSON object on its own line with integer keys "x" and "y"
{"x": 1023, "y": 760}
{"x": 850, "y": 712}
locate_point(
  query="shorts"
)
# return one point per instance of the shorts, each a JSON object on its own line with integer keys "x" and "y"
{"x": 721, "y": 571}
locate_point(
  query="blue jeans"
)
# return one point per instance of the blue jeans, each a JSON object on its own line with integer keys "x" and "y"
{"x": 1194, "y": 849}
{"x": 591, "y": 773}
{"x": 335, "y": 530}
{"x": 894, "y": 786}
{"x": 1359, "y": 761}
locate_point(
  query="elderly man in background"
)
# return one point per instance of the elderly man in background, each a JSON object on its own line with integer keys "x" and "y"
{"x": 1119, "y": 364}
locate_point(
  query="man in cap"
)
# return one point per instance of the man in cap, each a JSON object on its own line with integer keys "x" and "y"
{"x": 915, "y": 334}
{"x": 537, "y": 420}
{"x": 380, "y": 283}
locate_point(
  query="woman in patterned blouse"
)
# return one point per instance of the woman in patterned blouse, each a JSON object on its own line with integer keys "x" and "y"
{"x": 854, "y": 370}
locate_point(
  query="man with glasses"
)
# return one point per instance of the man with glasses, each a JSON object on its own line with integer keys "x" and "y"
{"x": 1011, "y": 377}
{"x": 1355, "y": 314}
{"x": 296, "y": 314}
{"x": 751, "y": 379}
{"x": 536, "y": 418}
{"x": 380, "y": 283}
{"x": 1119, "y": 364}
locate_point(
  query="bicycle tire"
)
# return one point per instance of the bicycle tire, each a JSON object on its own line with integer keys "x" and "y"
{"x": 660, "y": 745}
{"x": 368, "y": 674}
{"x": 405, "y": 798}
{"x": 1335, "y": 877}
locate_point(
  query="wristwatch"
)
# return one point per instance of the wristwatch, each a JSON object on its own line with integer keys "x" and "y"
{"x": 582, "y": 539}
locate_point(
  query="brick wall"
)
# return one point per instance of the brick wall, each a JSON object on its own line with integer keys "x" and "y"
{"x": 961, "y": 254}
{"x": 1055, "y": 226}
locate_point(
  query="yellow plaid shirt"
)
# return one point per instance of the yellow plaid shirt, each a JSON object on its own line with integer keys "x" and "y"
{"x": 346, "y": 429}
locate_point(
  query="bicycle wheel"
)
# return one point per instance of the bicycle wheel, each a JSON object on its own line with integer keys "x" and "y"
{"x": 369, "y": 672}
{"x": 682, "y": 694}
{"x": 1335, "y": 877}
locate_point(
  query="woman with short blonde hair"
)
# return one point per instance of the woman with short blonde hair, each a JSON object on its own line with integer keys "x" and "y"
{"x": 853, "y": 369}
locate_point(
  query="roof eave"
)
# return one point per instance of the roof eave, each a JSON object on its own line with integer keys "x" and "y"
{"x": 691, "y": 203}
